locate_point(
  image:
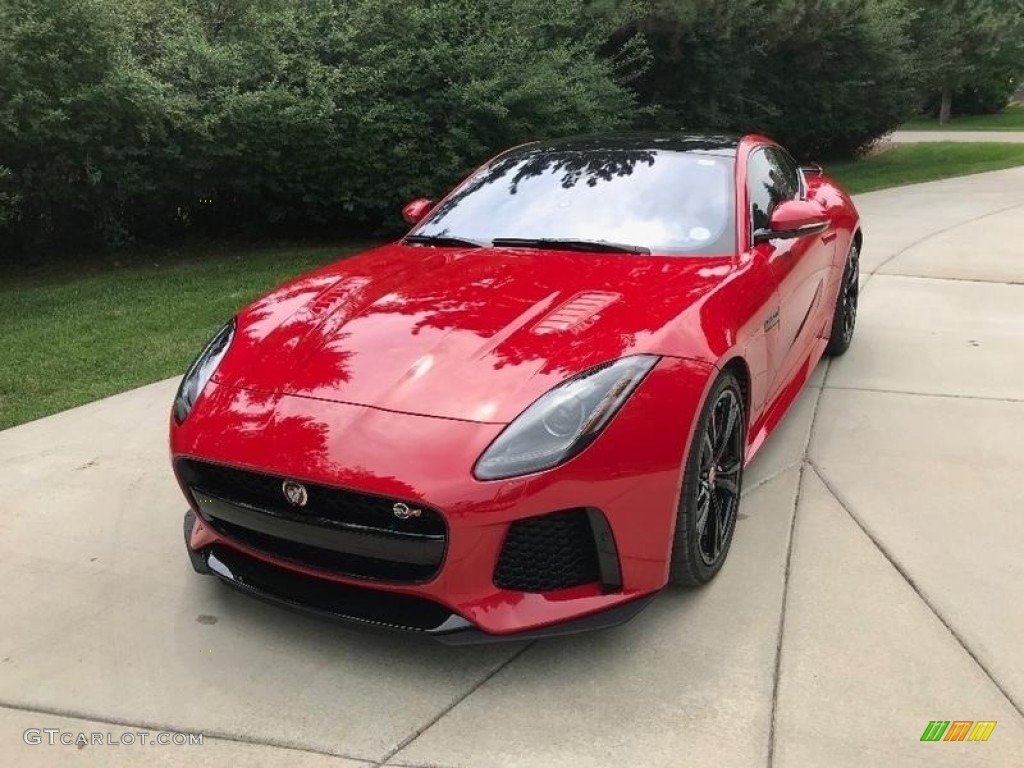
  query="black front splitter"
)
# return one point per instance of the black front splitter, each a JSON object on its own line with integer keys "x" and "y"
{"x": 335, "y": 602}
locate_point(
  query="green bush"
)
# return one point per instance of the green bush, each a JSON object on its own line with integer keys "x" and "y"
{"x": 124, "y": 120}
{"x": 824, "y": 77}
{"x": 10, "y": 200}
{"x": 147, "y": 118}
{"x": 77, "y": 117}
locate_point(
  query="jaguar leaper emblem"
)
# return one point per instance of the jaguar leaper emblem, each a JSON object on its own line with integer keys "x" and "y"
{"x": 295, "y": 493}
{"x": 403, "y": 511}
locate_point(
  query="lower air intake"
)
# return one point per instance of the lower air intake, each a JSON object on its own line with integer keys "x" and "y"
{"x": 545, "y": 553}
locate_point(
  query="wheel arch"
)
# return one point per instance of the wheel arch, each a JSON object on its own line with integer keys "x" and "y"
{"x": 681, "y": 568}
{"x": 739, "y": 368}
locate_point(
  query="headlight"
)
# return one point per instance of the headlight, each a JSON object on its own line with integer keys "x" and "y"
{"x": 199, "y": 373}
{"x": 564, "y": 421}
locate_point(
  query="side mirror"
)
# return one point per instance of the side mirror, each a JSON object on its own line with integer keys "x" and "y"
{"x": 793, "y": 218}
{"x": 415, "y": 211}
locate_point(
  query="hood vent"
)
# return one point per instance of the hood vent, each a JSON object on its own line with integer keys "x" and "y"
{"x": 338, "y": 296}
{"x": 576, "y": 314}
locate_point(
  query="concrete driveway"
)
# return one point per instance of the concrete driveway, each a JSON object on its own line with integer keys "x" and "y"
{"x": 875, "y": 582}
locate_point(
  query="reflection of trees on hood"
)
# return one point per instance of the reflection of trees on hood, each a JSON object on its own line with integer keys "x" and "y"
{"x": 475, "y": 289}
{"x": 255, "y": 418}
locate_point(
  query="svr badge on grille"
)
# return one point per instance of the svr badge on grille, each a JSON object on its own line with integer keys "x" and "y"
{"x": 403, "y": 511}
{"x": 295, "y": 493}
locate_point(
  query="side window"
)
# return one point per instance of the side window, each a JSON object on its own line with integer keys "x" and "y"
{"x": 772, "y": 177}
{"x": 761, "y": 192}
{"x": 789, "y": 172}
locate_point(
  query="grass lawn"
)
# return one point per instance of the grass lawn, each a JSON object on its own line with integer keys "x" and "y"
{"x": 72, "y": 338}
{"x": 1010, "y": 119}
{"x": 901, "y": 164}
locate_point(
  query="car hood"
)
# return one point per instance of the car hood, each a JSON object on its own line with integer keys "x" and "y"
{"x": 470, "y": 334}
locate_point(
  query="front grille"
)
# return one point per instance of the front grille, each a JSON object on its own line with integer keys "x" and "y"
{"x": 326, "y": 559}
{"x": 372, "y": 606}
{"x": 554, "y": 551}
{"x": 337, "y": 530}
{"x": 256, "y": 489}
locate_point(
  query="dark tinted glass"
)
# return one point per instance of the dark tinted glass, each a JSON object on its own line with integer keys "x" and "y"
{"x": 789, "y": 173}
{"x": 771, "y": 178}
{"x": 671, "y": 202}
{"x": 760, "y": 189}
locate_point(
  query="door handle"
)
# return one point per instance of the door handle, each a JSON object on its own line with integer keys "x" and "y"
{"x": 829, "y": 236}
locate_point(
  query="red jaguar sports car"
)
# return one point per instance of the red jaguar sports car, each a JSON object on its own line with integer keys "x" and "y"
{"x": 532, "y": 412}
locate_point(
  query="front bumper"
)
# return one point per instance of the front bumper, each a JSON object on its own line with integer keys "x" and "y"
{"x": 372, "y": 610}
{"x": 632, "y": 474}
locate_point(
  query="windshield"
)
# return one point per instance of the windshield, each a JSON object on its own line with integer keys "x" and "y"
{"x": 679, "y": 203}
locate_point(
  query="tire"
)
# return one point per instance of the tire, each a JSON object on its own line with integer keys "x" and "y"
{"x": 710, "y": 496}
{"x": 844, "y": 316}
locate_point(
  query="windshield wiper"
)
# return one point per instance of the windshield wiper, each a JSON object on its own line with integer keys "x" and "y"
{"x": 560, "y": 244}
{"x": 441, "y": 240}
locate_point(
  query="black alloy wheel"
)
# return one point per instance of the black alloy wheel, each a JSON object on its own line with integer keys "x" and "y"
{"x": 712, "y": 483}
{"x": 844, "y": 319}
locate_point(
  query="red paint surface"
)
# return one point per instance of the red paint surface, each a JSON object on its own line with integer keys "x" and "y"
{"x": 392, "y": 371}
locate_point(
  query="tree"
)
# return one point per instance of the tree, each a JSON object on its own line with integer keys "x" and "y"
{"x": 837, "y": 75}
{"x": 960, "y": 42}
{"x": 122, "y": 119}
{"x": 85, "y": 127}
{"x": 825, "y": 77}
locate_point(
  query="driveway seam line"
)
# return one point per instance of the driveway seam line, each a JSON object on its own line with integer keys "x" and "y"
{"x": 458, "y": 700}
{"x": 144, "y": 725}
{"x": 984, "y": 398}
{"x": 930, "y": 235}
{"x": 981, "y": 280}
{"x": 774, "y": 475}
{"x": 790, "y": 546}
{"x": 777, "y": 673}
{"x": 888, "y": 555}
